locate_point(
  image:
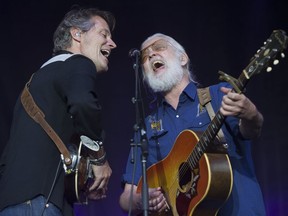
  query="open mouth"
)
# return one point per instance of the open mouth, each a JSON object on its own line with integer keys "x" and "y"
{"x": 157, "y": 64}
{"x": 105, "y": 52}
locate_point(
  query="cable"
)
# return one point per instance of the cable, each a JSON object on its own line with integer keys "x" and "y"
{"x": 52, "y": 187}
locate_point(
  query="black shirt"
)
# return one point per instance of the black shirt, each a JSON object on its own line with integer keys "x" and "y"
{"x": 65, "y": 90}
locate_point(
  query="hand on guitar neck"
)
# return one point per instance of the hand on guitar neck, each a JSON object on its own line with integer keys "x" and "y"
{"x": 238, "y": 105}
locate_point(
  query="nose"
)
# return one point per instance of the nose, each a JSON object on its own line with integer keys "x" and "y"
{"x": 151, "y": 52}
{"x": 111, "y": 43}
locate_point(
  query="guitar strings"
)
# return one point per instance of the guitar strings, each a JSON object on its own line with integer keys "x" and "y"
{"x": 173, "y": 188}
{"x": 192, "y": 162}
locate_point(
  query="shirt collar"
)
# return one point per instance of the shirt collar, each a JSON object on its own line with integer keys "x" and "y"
{"x": 62, "y": 52}
{"x": 190, "y": 91}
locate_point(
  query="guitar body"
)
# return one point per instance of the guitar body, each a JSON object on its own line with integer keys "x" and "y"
{"x": 199, "y": 191}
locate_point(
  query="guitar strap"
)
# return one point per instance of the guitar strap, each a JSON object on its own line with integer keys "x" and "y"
{"x": 36, "y": 113}
{"x": 205, "y": 101}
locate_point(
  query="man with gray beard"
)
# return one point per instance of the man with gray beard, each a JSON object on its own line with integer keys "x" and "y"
{"x": 178, "y": 185}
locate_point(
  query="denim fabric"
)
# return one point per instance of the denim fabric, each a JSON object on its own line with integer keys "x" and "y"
{"x": 34, "y": 207}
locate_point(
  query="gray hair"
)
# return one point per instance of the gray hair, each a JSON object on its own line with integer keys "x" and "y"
{"x": 178, "y": 47}
{"x": 78, "y": 18}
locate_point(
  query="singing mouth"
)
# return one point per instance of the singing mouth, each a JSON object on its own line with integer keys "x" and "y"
{"x": 157, "y": 64}
{"x": 105, "y": 52}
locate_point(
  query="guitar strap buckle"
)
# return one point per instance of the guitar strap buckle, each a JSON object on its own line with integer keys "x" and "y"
{"x": 71, "y": 168}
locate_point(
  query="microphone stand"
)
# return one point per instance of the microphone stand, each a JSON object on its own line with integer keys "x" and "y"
{"x": 140, "y": 127}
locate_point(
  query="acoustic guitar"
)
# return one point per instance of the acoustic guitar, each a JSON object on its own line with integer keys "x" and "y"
{"x": 194, "y": 179}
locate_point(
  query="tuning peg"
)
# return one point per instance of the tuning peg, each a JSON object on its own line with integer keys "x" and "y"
{"x": 276, "y": 61}
{"x": 269, "y": 69}
{"x": 282, "y": 55}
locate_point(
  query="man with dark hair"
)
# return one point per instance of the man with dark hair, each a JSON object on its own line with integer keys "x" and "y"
{"x": 64, "y": 88}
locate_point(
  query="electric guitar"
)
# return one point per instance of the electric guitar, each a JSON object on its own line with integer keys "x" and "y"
{"x": 194, "y": 179}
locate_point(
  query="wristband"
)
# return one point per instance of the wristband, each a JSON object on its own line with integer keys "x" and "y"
{"x": 95, "y": 151}
{"x": 98, "y": 161}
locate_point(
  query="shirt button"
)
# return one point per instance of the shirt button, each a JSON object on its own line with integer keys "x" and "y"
{"x": 177, "y": 116}
{"x": 200, "y": 123}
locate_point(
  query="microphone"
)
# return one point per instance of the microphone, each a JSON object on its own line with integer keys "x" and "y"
{"x": 134, "y": 52}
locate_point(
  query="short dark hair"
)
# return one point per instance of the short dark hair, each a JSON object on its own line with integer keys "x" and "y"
{"x": 78, "y": 18}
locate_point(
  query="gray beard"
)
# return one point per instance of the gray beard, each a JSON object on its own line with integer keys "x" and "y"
{"x": 166, "y": 81}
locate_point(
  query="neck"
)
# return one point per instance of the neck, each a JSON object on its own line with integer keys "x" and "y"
{"x": 172, "y": 96}
{"x": 73, "y": 50}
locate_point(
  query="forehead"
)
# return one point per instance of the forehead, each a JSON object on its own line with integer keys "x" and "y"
{"x": 148, "y": 42}
{"x": 100, "y": 23}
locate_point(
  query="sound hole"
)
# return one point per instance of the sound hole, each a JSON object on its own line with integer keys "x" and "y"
{"x": 184, "y": 176}
{"x": 184, "y": 193}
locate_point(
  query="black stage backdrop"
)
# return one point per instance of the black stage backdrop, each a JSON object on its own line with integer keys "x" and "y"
{"x": 218, "y": 35}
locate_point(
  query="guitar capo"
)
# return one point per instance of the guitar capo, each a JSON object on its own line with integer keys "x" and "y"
{"x": 233, "y": 81}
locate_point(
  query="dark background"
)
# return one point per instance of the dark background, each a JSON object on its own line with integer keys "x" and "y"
{"x": 218, "y": 35}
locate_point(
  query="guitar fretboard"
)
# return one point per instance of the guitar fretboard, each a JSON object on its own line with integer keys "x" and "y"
{"x": 273, "y": 46}
{"x": 213, "y": 128}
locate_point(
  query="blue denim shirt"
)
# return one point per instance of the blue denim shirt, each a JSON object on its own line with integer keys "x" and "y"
{"x": 163, "y": 127}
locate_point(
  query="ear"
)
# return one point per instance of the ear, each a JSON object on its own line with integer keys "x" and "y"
{"x": 75, "y": 34}
{"x": 184, "y": 59}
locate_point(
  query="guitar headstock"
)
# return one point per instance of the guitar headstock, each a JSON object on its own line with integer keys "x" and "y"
{"x": 268, "y": 54}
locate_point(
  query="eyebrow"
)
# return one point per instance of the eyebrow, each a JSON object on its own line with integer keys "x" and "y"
{"x": 105, "y": 31}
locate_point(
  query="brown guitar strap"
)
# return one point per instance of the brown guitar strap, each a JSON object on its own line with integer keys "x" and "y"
{"x": 205, "y": 101}
{"x": 36, "y": 113}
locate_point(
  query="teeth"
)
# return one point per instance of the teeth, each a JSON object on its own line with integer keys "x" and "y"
{"x": 156, "y": 64}
{"x": 105, "y": 52}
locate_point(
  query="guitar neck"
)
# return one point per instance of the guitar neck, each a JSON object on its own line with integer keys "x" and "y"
{"x": 273, "y": 47}
{"x": 208, "y": 136}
